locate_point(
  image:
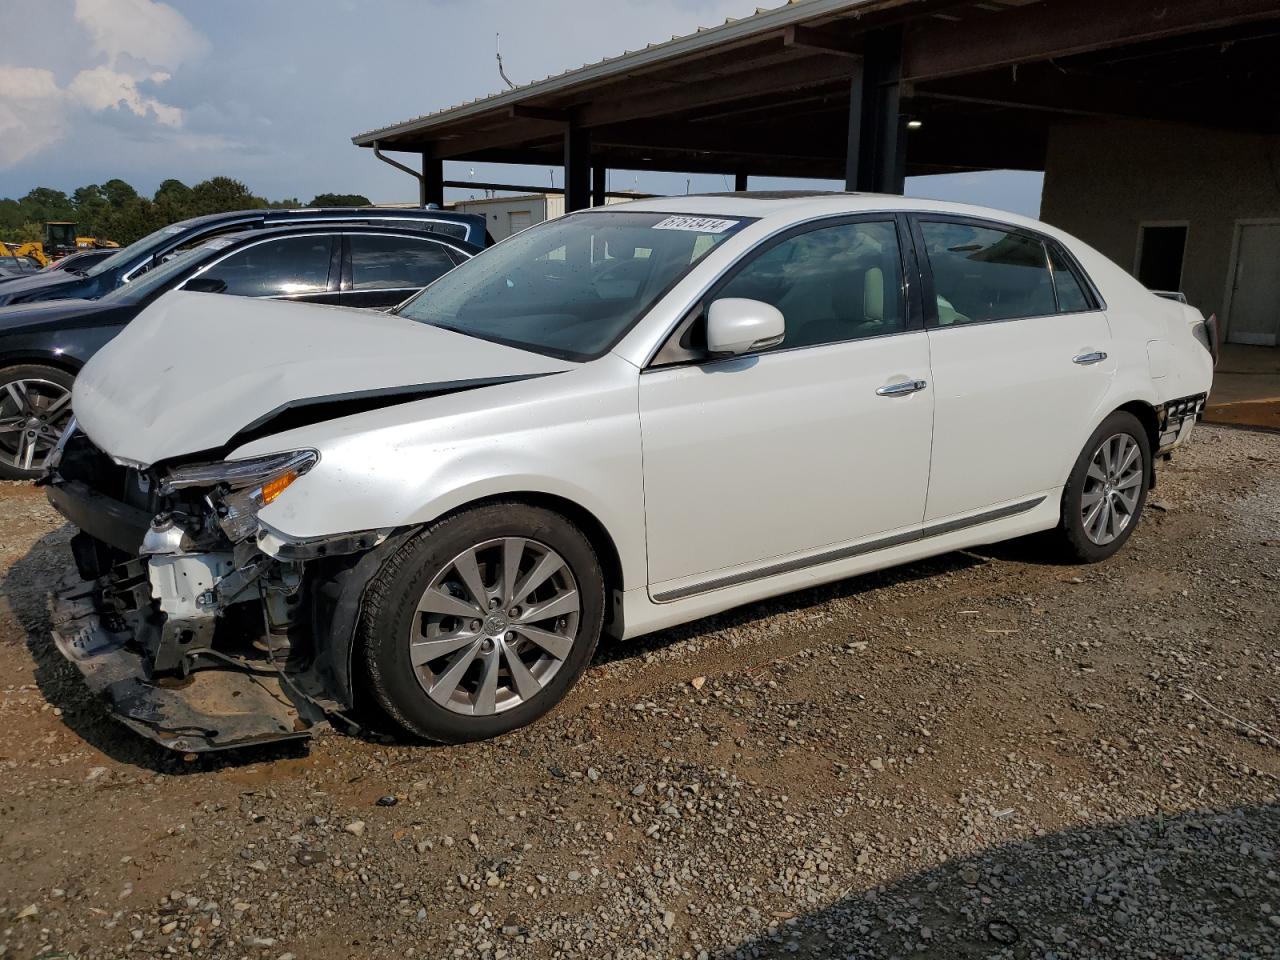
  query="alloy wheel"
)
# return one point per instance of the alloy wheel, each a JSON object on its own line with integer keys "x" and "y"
{"x": 1112, "y": 488}
{"x": 494, "y": 626}
{"x": 33, "y": 414}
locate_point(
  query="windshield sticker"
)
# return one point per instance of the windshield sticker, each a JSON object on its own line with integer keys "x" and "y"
{"x": 696, "y": 224}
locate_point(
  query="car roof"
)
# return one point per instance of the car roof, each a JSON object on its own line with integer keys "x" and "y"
{"x": 800, "y": 205}
{"x": 296, "y": 229}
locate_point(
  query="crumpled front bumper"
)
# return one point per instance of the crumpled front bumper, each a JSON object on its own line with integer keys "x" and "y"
{"x": 213, "y": 709}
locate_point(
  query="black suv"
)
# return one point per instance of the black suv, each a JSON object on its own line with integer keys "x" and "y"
{"x": 137, "y": 258}
{"x": 44, "y": 345}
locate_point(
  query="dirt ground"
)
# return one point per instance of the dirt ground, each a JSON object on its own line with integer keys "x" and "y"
{"x": 982, "y": 755}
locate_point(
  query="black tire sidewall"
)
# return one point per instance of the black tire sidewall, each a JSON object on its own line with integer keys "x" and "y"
{"x": 1072, "y": 521}
{"x": 397, "y": 588}
{"x": 31, "y": 371}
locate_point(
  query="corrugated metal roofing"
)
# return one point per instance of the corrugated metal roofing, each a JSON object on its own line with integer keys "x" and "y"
{"x": 764, "y": 20}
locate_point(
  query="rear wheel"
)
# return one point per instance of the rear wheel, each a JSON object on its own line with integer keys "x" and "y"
{"x": 35, "y": 407}
{"x": 1107, "y": 490}
{"x": 483, "y": 623}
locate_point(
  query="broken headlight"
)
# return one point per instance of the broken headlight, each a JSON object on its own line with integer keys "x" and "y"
{"x": 240, "y": 488}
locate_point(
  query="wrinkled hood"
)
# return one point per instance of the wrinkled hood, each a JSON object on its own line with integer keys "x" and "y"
{"x": 195, "y": 370}
{"x": 58, "y": 313}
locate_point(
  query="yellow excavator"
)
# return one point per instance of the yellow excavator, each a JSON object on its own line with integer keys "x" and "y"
{"x": 31, "y": 250}
{"x": 60, "y": 239}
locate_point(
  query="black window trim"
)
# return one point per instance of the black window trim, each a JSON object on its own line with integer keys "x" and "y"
{"x": 331, "y": 281}
{"x": 929, "y": 294}
{"x": 908, "y": 264}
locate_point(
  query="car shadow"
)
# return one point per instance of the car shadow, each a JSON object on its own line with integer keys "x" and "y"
{"x": 611, "y": 649}
{"x": 1197, "y": 884}
{"x": 30, "y": 583}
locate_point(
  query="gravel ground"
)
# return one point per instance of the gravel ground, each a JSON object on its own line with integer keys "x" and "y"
{"x": 983, "y": 755}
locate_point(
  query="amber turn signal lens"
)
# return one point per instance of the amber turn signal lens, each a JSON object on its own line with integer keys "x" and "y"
{"x": 276, "y": 486}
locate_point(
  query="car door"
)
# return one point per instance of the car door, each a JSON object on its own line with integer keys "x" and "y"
{"x": 1018, "y": 344}
{"x": 818, "y": 442}
{"x": 302, "y": 267}
{"x": 382, "y": 269}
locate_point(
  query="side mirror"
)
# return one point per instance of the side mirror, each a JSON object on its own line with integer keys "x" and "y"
{"x": 205, "y": 285}
{"x": 736, "y": 326}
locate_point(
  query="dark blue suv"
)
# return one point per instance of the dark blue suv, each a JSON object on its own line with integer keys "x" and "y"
{"x": 137, "y": 258}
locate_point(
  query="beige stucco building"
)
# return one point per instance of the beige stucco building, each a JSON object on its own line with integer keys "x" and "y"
{"x": 1184, "y": 208}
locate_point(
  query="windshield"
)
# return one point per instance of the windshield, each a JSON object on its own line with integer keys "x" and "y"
{"x": 148, "y": 244}
{"x": 161, "y": 278}
{"x": 570, "y": 287}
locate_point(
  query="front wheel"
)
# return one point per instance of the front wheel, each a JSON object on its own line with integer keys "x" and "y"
{"x": 482, "y": 623}
{"x": 35, "y": 407}
{"x": 1104, "y": 496}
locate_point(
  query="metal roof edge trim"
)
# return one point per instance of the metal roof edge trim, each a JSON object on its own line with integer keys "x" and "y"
{"x": 792, "y": 13}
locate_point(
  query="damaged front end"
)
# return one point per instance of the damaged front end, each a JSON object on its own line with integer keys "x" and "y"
{"x": 202, "y": 629}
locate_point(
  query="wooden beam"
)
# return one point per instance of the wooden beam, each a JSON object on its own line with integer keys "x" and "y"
{"x": 826, "y": 41}
{"x": 740, "y": 85}
{"x": 523, "y": 111}
{"x": 431, "y": 185}
{"x": 599, "y": 177}
{"x": 1060, "y": 28}
{"x": 577, "y": 169}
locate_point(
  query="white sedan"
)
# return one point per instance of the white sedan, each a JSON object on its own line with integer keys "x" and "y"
{"x": 624, "y": 419}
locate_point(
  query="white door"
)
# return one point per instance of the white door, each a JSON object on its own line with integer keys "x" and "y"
{"x": 518, "y": 220}
{"x": 1255, "y": 296}
{"x": 1018, "y": 353}
{"x": 753, "y": 459}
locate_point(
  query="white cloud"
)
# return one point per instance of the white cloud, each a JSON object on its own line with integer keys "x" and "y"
{"x": 31, "y": 113}
{"x": 142, "y": 41}
{"x": 103, "y": 88}
{"x": 142, "y": 30}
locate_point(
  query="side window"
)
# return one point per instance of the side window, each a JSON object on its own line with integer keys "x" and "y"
{"x": 982, "y": 274}
{"x": 1072, "y": 297}
{"x": 395, "y": 263}
{"x": 832, "y": 284}
{"x": 277, "y": 268}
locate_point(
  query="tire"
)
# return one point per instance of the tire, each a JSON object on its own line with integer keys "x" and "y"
{"x": 422, "y": 590}
{"x": 35, "y": 407}
{"x": 1093, "y": 536}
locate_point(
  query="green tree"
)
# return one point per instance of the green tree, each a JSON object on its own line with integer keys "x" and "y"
{"x": 92, "y": 208}
{"x": 29, "y": 233}
{"x": 220, "y": 195}
{"x": 173, "y": 201}
{"x": 45, "y": 203}
{"x": 132, "y": 221}
{"x": 339, "y": 200}
{"x": 118, "y": 193}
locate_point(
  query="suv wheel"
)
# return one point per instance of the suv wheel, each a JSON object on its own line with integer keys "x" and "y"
{"x": 482, "y": 624}
{"x": 1104, "y": 496}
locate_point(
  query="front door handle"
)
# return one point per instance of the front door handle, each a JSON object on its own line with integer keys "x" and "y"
{"x": 901, "y": 388}
{"x": 1085, "y": 359}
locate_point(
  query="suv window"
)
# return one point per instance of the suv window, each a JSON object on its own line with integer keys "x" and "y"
{"x": 832, "y": 284}
{"x": 983, "y": 273}
{"x": 277, "y": 268}
{"x": 395, "y": 263}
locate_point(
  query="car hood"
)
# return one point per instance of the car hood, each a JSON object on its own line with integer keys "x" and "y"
{"x": 196, "y": 370}
{"x": 46, "y": 286}
{"x": 58, "y": 313}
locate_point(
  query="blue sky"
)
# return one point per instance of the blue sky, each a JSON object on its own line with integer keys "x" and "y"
{"x": 271, "y": 92}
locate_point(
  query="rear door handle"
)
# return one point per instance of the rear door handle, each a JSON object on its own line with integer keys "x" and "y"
{"x": 901, "y": 388}
{"x": 1085, "y": 359}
